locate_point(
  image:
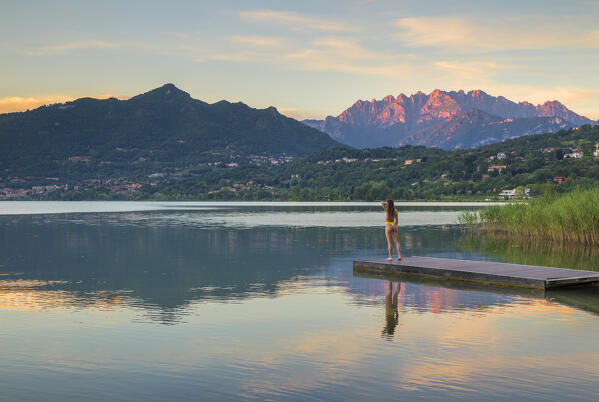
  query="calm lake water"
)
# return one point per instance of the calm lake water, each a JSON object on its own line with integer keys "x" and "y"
{"x": 229, "y": 301}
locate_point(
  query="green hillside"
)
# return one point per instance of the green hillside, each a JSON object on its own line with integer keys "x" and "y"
{"x": 536, "y": 162}
{"x": 153, "y": 132}
{"x": 379, "y": 173}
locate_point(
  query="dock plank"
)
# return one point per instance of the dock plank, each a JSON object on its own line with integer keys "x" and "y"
{"x": 482, "y": 271}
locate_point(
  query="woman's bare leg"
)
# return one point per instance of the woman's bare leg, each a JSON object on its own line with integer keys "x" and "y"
{"x": 389, "y": 235}
{"x": 395, "y": 235}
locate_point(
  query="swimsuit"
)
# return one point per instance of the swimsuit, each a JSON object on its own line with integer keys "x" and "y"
{"x": 392, "y": 223}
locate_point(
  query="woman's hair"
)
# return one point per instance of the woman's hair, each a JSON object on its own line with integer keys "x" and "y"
{"x": 390, "y": 207}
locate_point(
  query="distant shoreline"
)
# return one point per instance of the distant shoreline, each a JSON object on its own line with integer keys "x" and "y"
{"x": 53, "y": 207}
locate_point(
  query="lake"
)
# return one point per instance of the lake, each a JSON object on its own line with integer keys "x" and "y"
{"x": 257, "y": 301}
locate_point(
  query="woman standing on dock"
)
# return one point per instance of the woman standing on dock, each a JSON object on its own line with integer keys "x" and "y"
{"x": 391, "y": 220}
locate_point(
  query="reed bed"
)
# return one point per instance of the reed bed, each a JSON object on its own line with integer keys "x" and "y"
{"x": 571, "y": 217}
{"x": 515, "y": 249}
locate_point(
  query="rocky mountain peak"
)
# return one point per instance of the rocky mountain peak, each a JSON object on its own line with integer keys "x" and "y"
{"x": 477, "y": 93}
{"x": 404, "y": 115}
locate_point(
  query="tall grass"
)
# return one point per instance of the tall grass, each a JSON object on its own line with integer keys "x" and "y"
{"x": 572, "y": 217}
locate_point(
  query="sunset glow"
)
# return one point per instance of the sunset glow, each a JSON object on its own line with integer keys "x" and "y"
{"x": 309, "y": 60}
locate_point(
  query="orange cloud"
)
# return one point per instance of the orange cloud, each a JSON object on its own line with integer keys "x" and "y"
{"x": 257, "y": 40}
{"x": 299, "y": 114}
{"x": 70, "y": 47}
{"x": 18, "y": 104}
{"x": 296, "y": 21}
{"x": 465, "y": 35}
{"x": 580, "y": 100}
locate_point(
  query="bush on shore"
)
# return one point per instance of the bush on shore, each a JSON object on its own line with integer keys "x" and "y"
{"x": 571, "y": 217}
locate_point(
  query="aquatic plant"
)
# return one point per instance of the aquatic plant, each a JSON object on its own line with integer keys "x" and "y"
{"x": 514, "y": 249}
{"x": 571, "y": 217}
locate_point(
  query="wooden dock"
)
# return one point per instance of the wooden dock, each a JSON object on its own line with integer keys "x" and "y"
{"x": 497, "y": 273}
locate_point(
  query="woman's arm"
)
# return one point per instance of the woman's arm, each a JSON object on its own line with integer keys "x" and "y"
{"x": 384, "y": 205}
{"x": 396, "y": 218}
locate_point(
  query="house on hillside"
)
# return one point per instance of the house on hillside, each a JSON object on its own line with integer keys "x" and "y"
{"x": 501, "y": 155}
{"x": 575, "y": 154}
{"x": 410, "y": 161}
{"x": 514, "y": 193}
{"x": 559, "y": 179}
{"x": 596, "y": 151}
{"x": 498, "y": 168}
{"x": 509, "y": 194}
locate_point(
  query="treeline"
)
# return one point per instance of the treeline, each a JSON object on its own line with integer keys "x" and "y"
{"x": 535, "y": 162}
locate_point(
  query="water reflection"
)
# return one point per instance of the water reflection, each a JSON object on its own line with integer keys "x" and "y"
{"x": 505, "y": 249}
{"x": 269, "y": 313}
{"x": 391, "y": 310}
{"x": 137, "y": 260}
{"x": 68, "y": 207}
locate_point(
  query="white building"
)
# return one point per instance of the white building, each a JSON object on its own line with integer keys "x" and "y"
{"x": 574, "y": 155}
{"x": 508, "y": 193}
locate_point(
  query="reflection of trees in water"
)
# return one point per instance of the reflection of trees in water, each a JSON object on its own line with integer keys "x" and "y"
{"x": 532, "y": 252}
{"x": 100, "y": 259}
{"x": 112, "y": 259}
{"x": 105, "y": 261}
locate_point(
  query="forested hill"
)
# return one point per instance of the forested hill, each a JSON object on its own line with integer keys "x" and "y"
{"x": 163, "y": 128}
{"x": 544, "y": 163}
{"x": 409, "y": 173}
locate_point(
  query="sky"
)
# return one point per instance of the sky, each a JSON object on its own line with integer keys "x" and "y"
{"x": 309, "y": 58}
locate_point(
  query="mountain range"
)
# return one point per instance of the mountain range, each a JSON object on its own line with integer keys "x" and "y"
{"x": 164, "y": 127}
{"x": 446, "y": 120}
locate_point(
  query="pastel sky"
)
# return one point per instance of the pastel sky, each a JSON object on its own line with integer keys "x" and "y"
{"x": 308, "y": 58}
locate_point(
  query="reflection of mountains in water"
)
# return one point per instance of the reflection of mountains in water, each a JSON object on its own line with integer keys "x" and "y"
{"x": 432, "y": 296}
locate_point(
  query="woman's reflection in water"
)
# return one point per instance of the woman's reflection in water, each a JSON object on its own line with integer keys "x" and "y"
{"x": 391, "y": 312}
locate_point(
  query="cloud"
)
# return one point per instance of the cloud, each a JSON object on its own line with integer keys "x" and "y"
{"x": 349, "y": 56}
{"x": 299, "y": 114}
{"x": 472, "y": 66}
{"x": 257, "y": 40}
{"x": 580, "y": 100}
{"x": 247, "y": 56}
{"x": 323, "y": 54}
{"x": 296, "y": 21}
{"x": 318, "y": 60}
{"x": 180, "y": 35}
{"x": 19, "y": 104}
{"x": 347, "y": 48}
{"x": 462, "y": 34}
{"x": 483, "y": 75}
{"x": 470, "y": 71}
{"x": 70, "y": 47}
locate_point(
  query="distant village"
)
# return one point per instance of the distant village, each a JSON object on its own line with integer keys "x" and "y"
{"x": 13, "y": 187}
{"x": 525, "y": 193}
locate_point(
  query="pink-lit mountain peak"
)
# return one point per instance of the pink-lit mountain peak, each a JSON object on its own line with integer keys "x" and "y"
{"x": 441, "y": 105}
